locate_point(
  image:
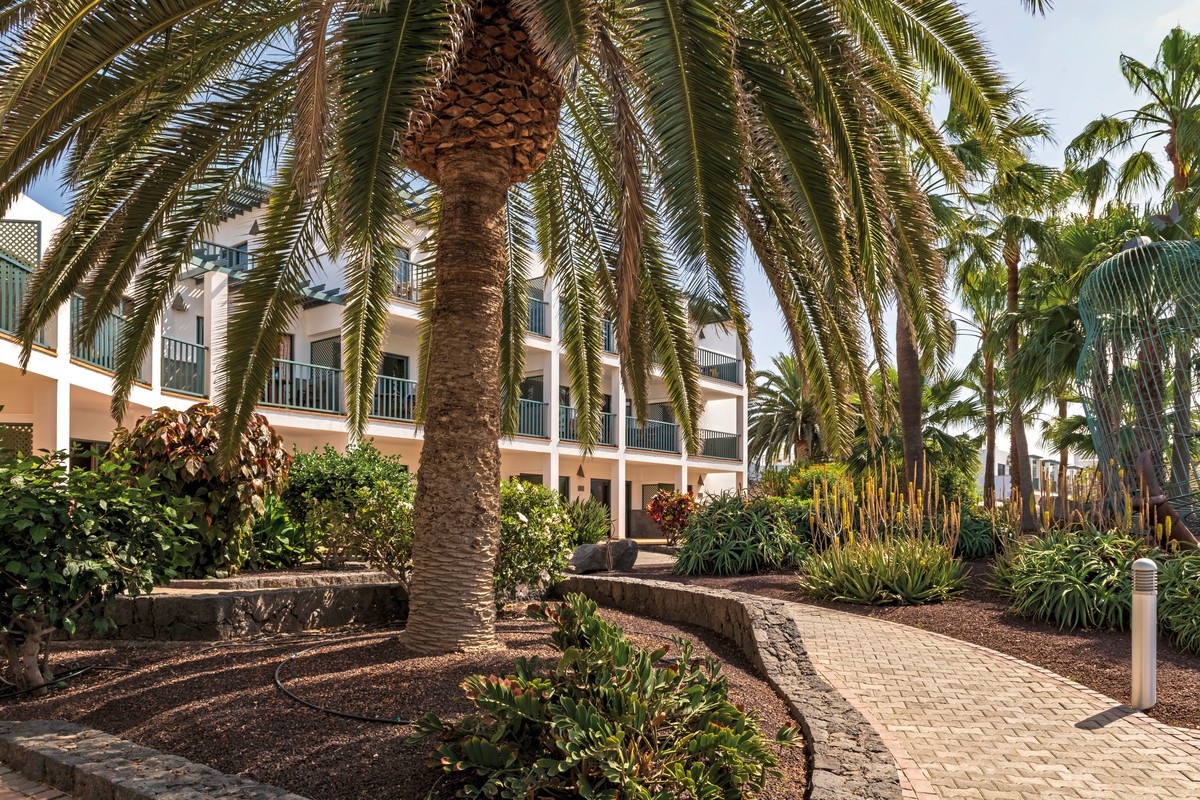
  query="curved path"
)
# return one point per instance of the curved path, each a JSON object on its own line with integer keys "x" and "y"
{"x": 966, "y": 722}
{"x": 14, "y": 786}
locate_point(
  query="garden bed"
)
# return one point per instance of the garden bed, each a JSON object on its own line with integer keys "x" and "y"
{"x": 1096, "y": 659}
{"x": 218, "y": 705}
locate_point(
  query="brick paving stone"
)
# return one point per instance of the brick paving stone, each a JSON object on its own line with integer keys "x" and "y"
{"x": 964, "y": 721}
{"x": 14, "y": 786}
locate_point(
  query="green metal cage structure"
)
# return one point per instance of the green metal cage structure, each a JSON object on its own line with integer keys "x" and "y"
{"x": 1137, "y": 377}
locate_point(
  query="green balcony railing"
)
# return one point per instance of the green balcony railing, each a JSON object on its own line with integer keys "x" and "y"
{"x": 14, "y": 280}
{"x": 235, "y": 258}
{"x": 719, "y": 365}
{"x": 662, "y": 437}
{"x": 568, "y": 426}
{"x": 183, "y": 366}
{"x": 408, "y": 277}
{"x": 101, "y": 351}
{"x": 307, "y": 387}
{"x": 531, "y": 418}
{"x": 718, "y": 444}
{"x": 539, "y": 317}
{"x": 395, "y": 399}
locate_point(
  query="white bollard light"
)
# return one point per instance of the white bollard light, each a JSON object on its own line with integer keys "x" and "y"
{"x": 1145, "y": 633}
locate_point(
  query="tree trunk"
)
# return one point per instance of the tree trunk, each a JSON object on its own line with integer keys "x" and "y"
{"x": 1022, "y": 473}
{"x": 457, "y": 508}
{"x": 1178, "y": 172}
{"x": 801, "y": 450}
{"x": 1064, "y": 455}
{"x": 908, "y": 386}
{"x": 989, "y": 424}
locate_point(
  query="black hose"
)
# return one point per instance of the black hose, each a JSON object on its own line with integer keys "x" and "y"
{"x": 325, "y": 709}
{"x": 75, "y": 673}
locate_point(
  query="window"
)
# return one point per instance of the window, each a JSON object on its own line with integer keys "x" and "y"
{"x": 287, "y": 347}
{"x": 394, "y": 366}
{"x": 532, "y": 388}
{"x": 564, "y": 396}
{"x": 326, "y": 352}
{"x": 651, "y": 489}
{"x": 530, "y": 477}
{"x": 17, "y": 436}
{"x": 84, "y": 453}
{"x": 200, "y": 330}
{"x": 564, "y": 486}
{"x": 239, "y": 256}
{"x": 1000, "y": 469}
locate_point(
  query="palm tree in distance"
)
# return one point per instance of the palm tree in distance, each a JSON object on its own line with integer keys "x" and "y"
{"x": 626, "y": 145}
{"x": 783, "y": 419}
{"x": 1172, "y": 85}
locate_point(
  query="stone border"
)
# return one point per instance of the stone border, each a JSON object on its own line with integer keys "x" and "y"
{"x": 848, "y": 760}
{"x": 210, "y": 615}
{"x": 92, "y": 765}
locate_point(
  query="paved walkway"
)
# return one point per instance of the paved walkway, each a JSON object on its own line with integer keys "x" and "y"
{"x": 967, "y": 722}
{"x": 14, "y": 787}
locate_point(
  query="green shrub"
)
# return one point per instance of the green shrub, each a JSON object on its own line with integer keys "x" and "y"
{"x": 374, "y": 524}
{"x": 606, "y": 721}
{"x": 896, "y": 571}
{"x": 329, "y": 475}
{"x": 1179, "y": 600}
{"x": 69, "y": 543}
{"x": 1072, "y": 579}
{"x": 275, "y": 541}
{"x": 535, "y": 540}
{"x": 731, "y": 535}
{"x": 178, "y": 450}
{"x": 976, "y": 538}
{"x": 590, "y": 521}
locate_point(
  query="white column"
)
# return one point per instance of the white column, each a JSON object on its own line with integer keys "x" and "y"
{"x": 216, "y": 321}
{"x": 551, "y": 374}
{"x": 618, "y": 396}
{"x": 552, "y": 471}
{"x": 618, "y": 498}
{"x": 156, "y": 350}
{"x": 62, "y": 414}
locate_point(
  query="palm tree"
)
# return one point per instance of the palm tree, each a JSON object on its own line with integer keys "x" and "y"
{"x": 983, "y": 295}
{"x": 628, "y": 145}
{"x": 1172, "y": 84}
{"x": 1010, "y": 217}
{"x": 783, "y": 419}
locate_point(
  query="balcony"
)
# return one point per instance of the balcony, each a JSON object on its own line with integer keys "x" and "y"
{"x": 101, "y": 351}
{"x": 568, "y": 426}
{"x": 394, "y": 399}
{"x": 305, "y": 387}
{"x": 531, "y": 418}
{"x": 720, "y": 366}
{"x": 14, "y": 281}
{"x": 661, "y": 437}
{"x": 539, "y": 317}
{"x": 718, "y": 444}
{"x": 235, "y": 259}
{"x": 183, "y": 366}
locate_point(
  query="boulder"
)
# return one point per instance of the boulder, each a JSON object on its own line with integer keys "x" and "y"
{"x": 622, "y": 554}
{"x": 618, "y": 556}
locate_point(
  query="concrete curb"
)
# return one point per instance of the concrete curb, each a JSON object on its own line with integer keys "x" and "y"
{"x": 91, "y": 765}
{"x": 847, "y": 757}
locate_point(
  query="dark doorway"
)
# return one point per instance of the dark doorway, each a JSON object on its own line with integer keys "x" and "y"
{"x": 602, "y": 491}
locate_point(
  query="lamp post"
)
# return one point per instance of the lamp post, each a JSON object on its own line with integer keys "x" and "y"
{"x": 1145, "y": 633}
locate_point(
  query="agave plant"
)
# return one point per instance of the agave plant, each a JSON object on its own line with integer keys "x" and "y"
{"x": 631, "y": 146}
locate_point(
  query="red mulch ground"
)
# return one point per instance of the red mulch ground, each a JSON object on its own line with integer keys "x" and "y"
{"x": 1097, "y": 659}
{"x": 218, "y": 705}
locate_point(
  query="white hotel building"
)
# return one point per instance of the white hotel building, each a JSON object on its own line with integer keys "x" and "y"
{"x": 62, "y": 401}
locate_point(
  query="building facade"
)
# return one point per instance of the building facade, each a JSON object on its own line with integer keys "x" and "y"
{"x": 62, "y": 401}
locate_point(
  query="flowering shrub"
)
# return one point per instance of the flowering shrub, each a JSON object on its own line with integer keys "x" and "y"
{"x": 536, "y": 540}
{"x": 672, "y": 511}
{"x": 608, "y": 720}
{"x": 178, "y": 452}
{"x": 904, "y": 570}
{"x": 69, "y": 543}
{"x": 733, "y": 535}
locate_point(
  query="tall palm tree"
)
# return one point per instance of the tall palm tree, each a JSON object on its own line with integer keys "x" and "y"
{"x": 628, "y": 145}
{"x": 1010, "y": 218}
{"x": 1172, "y": 84}
{"x": 983, "y": 295}
{"x": 783, "y": 419}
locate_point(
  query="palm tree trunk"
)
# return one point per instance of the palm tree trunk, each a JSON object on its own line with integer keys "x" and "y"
{"x": 1022, "y": 472}
{"x": 1064, "y": 455}
{"x": 908, "y": 387}
{"x": 457, "y": 509}
{"x": 989, "y": 415}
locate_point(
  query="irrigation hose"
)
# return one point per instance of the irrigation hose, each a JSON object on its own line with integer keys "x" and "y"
{"x": 57, "y": 679}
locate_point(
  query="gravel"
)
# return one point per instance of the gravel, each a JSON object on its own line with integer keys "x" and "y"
{"x": 1096, "y": 659}
{"x": 218, "y": 705}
